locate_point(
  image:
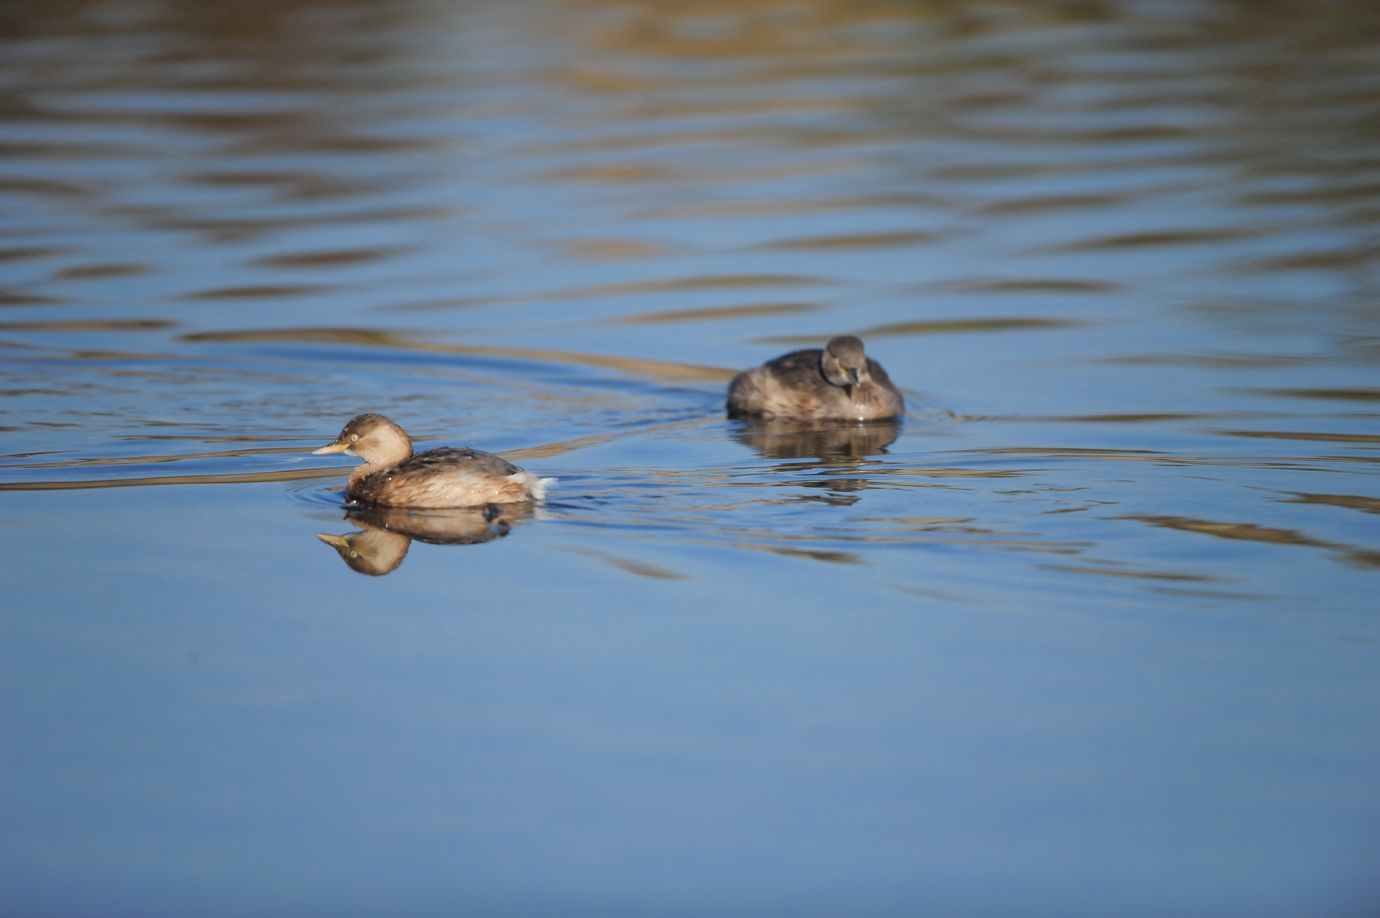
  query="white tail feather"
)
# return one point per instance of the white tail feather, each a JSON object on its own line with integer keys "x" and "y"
{"x": 537, "y": 487}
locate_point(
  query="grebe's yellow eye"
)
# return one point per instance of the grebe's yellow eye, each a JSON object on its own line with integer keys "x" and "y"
{"x": 354, "y": 437}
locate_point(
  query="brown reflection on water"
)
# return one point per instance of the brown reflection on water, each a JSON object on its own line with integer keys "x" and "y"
{"x": 706, "y": 282}
{"x": 656, "y": 369}
{"x": 840, "y": 448}
{"x": 574, "y": 444}
{"x": 385, "y": 534}
{"x": 1308, "y": 436}
{"x": 809, "y": 554}
{"x": 254, "y": 292}
{"x": 1147, "y": 417}
{"x": 1341, "y": 395}
{"x": 931, "y": 327}
{"x": 976, "y": 538}
{"x": 89, "y": 325}
{"x": 1216, "y": 361}
{"x": 1250, "y": 532}
{"x": 710, "y": 314}
{"x": 1349, "y": 501}
{"x": 284, "y": 187}
{"x": 784, "y": 439}
{"x": 28, "y": 253}
{"x": 1242, "y": 461}
{"x": 630, "y": 288}
{"x": 781, "y": 206}
{"x": 150, "y": 460}
{"x": 375, "y": 552}
{"x": 153, "y": 480}
{"x": 1055, "y": 202}
{"x": 631, "y": 565}
{"x": 101, "y": 271}
{"x": 612, "y": 249}
{"x": 15, "y": 298}
{"x": 1033, "y": 285}
{"x": 327, "y": 257}
{"x": 1162, "y": 238}
{"x": 856, "y": 241}
{"x": 1114, "y": 569}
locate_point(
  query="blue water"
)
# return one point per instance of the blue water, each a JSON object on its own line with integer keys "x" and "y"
{"x": 1092, "y": 631}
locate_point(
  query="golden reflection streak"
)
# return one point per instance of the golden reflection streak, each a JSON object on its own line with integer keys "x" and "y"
{"x": 559, "y": 447}
{"x": 25, "y": 254}
{"x": 1241, "y": 462}
{"x": 89, "y": 325}
{"x": 1215, "y": 361}
{"x": 1053, "y": 202}
{"x": 655, "y": 369}
{"x": 100, "y": 272}
{"x": 631, "y": 566}
{"x": 612, "y": 249}
{"x": 149, "y": 460}
{"x": 1142, "y": 418}
{"x": 1034, "y": 285}
{"x": 946, "y": 472}
{"x": 1301, "y": 435}
{"x": 1207, "y": 594}
{"x": 10, "y": 298}
{"x": 770, "y": 541}
{"x": 1153, "y": 239}
{"x": 1327, "y": 259}
{"x": 328, "y": 257}
{"x": 222, "y": 478}
{"x": 1250, "y": 532}
{"x": 784, "y": 206}
{"x": 607, "y": 291}
{"x": 1137, "y": 575}
{"x": 260, "y": 292}
{"x": 611, "y": 172}
{"x": 854, "y": 241}
{"x": 1349, "y": 501}
{"x": 1348, "y": 395}
{"x": 713, "y": 313}
{"x": 934, "y": 327}
{"x": 710, "y": 282}
{"x": 833, "y": 557}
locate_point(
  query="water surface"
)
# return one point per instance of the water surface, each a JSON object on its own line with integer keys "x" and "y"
{"x": 1092, "y": 630}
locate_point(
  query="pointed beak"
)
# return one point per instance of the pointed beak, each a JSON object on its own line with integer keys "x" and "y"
{"x": 339, "y": 543}
{"x": 331, "y": 448}
{"x": 853, "y": 375}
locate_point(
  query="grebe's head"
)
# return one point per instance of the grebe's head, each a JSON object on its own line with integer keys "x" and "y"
{"x": 370, "y": 551}
{"x": 371, "y": 437}
{"x": 844, "y": 364}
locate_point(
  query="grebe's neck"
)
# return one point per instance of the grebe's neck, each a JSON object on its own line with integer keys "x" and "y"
{"x": 380, "y": 451}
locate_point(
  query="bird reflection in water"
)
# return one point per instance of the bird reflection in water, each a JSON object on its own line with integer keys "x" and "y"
{"x": 385, "y": 534}
{"x": 838, "y": 445}
{"x": 827, "y": 440}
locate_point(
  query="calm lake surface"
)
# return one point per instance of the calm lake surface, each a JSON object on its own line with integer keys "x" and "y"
{"x": 1095, "y": 630}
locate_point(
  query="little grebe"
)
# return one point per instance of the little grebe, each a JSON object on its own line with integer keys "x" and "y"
{"x": 838, "y": 383}
{"x": 447, "y": 477}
